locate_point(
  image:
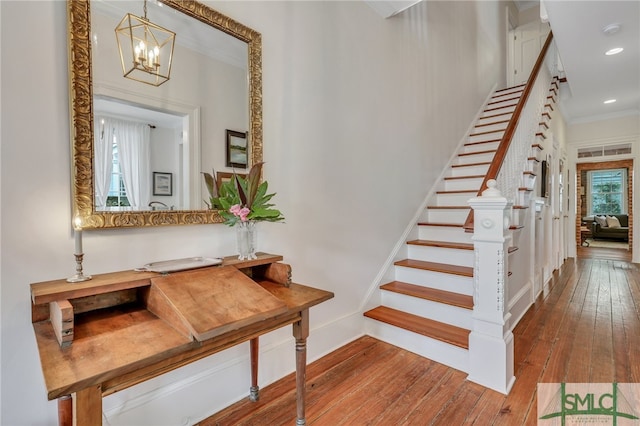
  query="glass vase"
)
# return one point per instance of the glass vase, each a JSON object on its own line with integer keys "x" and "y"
{"x": 246, "y": 237}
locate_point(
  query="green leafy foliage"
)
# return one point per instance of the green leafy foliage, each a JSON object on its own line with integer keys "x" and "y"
{"x": 243, "y": 192}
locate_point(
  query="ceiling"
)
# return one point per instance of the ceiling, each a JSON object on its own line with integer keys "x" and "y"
{"x": 593, "y": 77}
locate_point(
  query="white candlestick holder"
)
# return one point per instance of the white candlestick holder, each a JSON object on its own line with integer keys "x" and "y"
{"x": 79, "y": 276}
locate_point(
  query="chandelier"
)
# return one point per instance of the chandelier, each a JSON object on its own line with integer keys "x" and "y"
{"x": 146, "y": 49}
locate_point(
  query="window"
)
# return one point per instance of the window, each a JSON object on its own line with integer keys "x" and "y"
{"x": 607, "y": 191}
{"x": 599, "y": 151}
{"x": 117, "y": 196}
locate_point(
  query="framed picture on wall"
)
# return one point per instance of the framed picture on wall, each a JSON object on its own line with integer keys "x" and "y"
{"x": 162, "y": 183}
{"x": 237, "y": 149}
{"x": 545, "y": 179}
{"x": 222, "y": 177}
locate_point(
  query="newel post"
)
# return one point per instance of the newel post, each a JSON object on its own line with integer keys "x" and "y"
{"x": 491, "y": 339}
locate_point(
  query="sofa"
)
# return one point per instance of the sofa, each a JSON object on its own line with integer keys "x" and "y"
{"x": 606, "y": 232}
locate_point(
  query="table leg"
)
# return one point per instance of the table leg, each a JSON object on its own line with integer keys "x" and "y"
{"x": 87, "y": 406}
{"x": 65, "y": 411}
{"x": 254, "y": 389}
{"x": 301, "y": 332}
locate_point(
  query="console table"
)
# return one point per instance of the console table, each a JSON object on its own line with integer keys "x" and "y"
{"x": 119, "y": 329}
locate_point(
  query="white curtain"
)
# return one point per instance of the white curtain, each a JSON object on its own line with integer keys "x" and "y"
{"x": 132, "y": 140}
{"x": 103, "y": 159}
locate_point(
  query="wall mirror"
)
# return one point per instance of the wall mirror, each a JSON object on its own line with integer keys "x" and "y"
{"x": 215, "y": 84}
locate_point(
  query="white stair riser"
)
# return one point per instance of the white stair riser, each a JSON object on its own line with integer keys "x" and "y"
{"x": 519, "y": 217}
{"x": 437, "y": 280}
{"x": 480, "y": 169}
{"x": 441, "y": 312}
{"x": 447, "y": 215}
{"x": 532, "y": 165}
{"x": 436, "y": 350}
{"x": 441, "y": 255}
{"x": 529, "y": 181}
{"x": 444, "y": 233}
{"x": 524, "y": 197}
{"x": 471, "y": 148}
{"x": 486, "y": 127}
{"x": 461, "y": 184}
{"x": 490, "y": 118}
{"x": 503, "y": 103}
{"x": 510, "y": 91}
{"x": 475, "y": 158}
{"x": 495, "y": 110}
{"x": 455, "y": 199}
{"x": 548, "y": 109}
{"x": 485, "y": 136}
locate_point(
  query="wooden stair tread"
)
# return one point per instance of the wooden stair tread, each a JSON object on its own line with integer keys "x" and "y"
{"x": 464, "y": 177}
{"x": 497, "y": 108}
{"x": 512, "y": 249}
{"x": 456, "y": 225}
{"x": 464, "y": 271}
{"x": 516, "y": 227}
{"x": 436, "y": 330}
{"x": 485, "y": 117}
{"x": 488, "y": 132}
{"x": 489, "y": 151}
{"x": 510, "y": 88}
{"x": 491, "y": 124}
{"x": 435, "y": 295}
{"x": 448, "y": 207}
{"x": 458, "y": 191}
{"x": 481, "y": 142}
{"x": 514, "y": 98}
{"x": 443, "y": 244}
{"x": 484, "y": 163}
{"x": 537, "y": 145}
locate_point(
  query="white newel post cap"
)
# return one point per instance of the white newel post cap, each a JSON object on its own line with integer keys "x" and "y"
{"x": 491, "y": 190}
{"x": 491, "y": 198}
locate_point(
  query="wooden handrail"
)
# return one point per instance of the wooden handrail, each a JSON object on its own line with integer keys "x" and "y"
{"x": 503, "y": 147}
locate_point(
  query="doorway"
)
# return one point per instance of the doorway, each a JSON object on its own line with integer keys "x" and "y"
{"x": 584, "y": 226}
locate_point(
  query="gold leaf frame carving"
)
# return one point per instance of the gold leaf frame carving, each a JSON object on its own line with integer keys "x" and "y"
{"x": 81, "y": 111}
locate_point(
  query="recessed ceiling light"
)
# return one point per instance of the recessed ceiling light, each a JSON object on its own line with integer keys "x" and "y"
{"x": 614, "y": 51}
{"x": 611, "y": 29}
{"x": 609, "y": 101}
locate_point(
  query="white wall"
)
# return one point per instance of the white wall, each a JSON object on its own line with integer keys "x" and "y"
{"x": 360, "y": 116}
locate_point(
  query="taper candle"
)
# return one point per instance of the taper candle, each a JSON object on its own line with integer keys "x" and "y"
{"x": 77, "y": 227}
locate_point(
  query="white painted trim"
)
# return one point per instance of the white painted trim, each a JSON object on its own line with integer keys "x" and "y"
{"x": 516, "y": 300}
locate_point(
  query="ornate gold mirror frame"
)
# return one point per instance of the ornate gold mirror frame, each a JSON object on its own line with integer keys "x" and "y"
{"x": 81, "y": 103}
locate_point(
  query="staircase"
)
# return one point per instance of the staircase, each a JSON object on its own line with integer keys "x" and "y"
{"x": 428, "y": 308}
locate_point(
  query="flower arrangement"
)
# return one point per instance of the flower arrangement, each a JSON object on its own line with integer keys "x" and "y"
{"x": 243, "y": 199}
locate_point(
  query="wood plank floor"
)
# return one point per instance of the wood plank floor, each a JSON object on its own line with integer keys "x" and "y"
{"x": 586, "y": 328}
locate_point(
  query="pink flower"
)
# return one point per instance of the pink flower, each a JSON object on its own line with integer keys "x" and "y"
{"x": 243, "y": 213}
{"x": 235, "y": 209}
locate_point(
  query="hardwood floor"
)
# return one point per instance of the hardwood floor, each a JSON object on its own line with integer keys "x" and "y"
{"x": 586, "y": 328}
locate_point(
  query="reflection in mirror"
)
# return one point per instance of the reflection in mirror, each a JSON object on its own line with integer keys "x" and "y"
{"x": 177, "y": 128}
